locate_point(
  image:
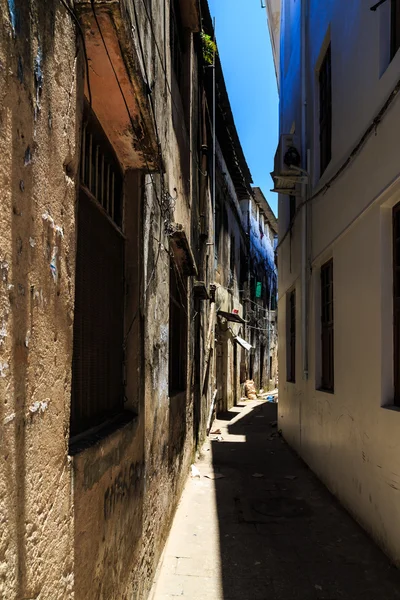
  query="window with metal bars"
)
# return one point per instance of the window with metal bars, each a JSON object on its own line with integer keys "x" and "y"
{"x": 325, "y": 111}
{"x": 327, "y": 330}
{"x": 178, "y": 331}
{"x": 396, "y": 302}
{"x": 394, "y": 27}
{"x": 97, "y": 365}
{"x": 291, "y": 336}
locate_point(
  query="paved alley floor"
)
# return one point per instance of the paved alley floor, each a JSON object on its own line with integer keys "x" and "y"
{"x": 258, "y": 525}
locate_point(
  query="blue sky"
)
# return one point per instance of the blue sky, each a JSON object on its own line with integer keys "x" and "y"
{"x": 246, "y": 56}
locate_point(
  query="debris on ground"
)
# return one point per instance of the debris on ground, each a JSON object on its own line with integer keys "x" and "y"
{"x": 214, "y": 476}
{"x": 219, "y": 438}
{"x": 290, "y": 477}
{"x": 194, "y": 472}
{"x": 216, "y": 432}
{"x": 257, "y": 475}
{"x": 274, "y": 423}
{"x": 250, "y": 389}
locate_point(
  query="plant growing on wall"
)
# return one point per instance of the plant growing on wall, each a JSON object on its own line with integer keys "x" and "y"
{"x": 209, "y": 48}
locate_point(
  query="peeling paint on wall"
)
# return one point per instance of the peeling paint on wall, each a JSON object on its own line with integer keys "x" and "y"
{"x": 9, "y": 418}
{"x": 3, "y": 333}
{"x": 53, "y": 264}
{"x": 38, "y": 80}
{"x": 4, "y": 267}
{"x": 13, "y": 14}
{"x": 4, "y": 366}
{"x": 38, "y": 406}
{"x": 27, "y": 156}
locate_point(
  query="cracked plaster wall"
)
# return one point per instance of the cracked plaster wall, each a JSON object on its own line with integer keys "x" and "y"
{"x": 38, "y": 139}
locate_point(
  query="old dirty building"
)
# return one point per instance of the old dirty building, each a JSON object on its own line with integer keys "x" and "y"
{"x": 263, "y": 286}
{"x": 112, "y": 284}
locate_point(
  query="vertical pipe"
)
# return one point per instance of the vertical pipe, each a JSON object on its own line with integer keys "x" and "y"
{"x": 214, "y": 207}
{"x": 214, "y": 144}
{"x": 304, "y": 227}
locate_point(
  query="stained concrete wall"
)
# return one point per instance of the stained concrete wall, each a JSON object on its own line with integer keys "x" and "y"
{"x": 91, "y": 525}
{"x": 232, "y": 248}
{"x": 348, "y": 437}
{"x": 40, "y": 81}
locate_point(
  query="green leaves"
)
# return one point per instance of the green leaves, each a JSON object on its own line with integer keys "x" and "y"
{"x": 209, "y": 48}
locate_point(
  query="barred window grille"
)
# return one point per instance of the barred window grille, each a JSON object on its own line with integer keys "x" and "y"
{"x": 97, "y": 365}
{"x": 291, "y": 337}
{"x": 325, "y": 111}
{"x": 100, "y": 171}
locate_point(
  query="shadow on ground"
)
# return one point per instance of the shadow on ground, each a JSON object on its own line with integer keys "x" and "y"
{"x": 282, "y": 535}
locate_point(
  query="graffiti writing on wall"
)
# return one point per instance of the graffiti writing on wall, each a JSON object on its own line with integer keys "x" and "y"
{"x": 124, "y": 486}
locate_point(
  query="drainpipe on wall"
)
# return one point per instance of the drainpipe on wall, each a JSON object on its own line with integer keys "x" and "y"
{"x": 304, "y": 228}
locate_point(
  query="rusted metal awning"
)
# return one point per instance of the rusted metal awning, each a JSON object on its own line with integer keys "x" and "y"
{"x": 232, "y": 317}
{"x": 117, "y": 86}
{"x": 182, "y": 252}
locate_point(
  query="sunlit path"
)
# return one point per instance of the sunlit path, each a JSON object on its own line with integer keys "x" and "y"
{"x": 265, "y": 528}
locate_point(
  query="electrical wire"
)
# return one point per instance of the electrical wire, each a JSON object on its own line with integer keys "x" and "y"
{"x": 370, "y": 129}
{"x": 76, "y": 20}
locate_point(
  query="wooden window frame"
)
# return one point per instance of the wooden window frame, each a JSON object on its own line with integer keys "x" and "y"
{"x": 291, "y": 337}
{"x": 327, "y": 328}
{"x": 325, "y": 111}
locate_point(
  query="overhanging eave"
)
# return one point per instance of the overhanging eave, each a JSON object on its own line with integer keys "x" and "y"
{"x": 117, "y": 83}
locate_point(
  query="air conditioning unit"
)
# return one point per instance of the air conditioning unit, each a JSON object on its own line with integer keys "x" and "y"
{"x": 287, "y": 170}
{"x": 287, "y": 156}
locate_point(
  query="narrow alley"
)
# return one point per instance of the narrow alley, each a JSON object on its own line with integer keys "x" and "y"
{"x": 256, "y": 524}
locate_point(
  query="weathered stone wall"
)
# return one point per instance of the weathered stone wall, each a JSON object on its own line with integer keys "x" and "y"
{"x": 92, "y": 526}
{"x": 39, "y": 85}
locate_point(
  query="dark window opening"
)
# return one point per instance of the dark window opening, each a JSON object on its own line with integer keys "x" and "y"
{"x": 97, "y": 365}
{"x": 270, "y": 367}
{"x": 232, "y": 254}
{"x": 291, "y": 337}
{"x": 396, "y": 302}
{"x": 218, "y": 227}
{"x": 243, "y": 269}
{"x": 99, "y": 169}
{"x": 178, "y": 325}
{"x": 394, "y": 27}
{"x": 177, "y": 42}
{"x": 325, "y": 111}
{"x": 327, "y": 334}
